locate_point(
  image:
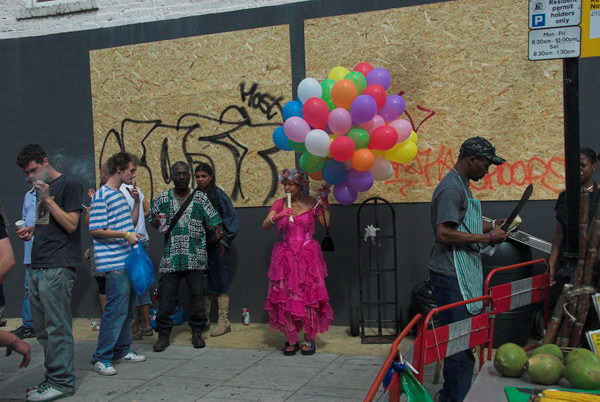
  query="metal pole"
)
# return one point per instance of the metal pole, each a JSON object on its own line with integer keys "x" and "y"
{"x": 573, "y": 186}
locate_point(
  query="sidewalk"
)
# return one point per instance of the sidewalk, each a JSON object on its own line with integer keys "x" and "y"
{"x": 182, "y": 373}
{"x": 223, "y": 371}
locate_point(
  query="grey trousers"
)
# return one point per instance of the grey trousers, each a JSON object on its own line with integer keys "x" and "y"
{"x": 50, "y": 299}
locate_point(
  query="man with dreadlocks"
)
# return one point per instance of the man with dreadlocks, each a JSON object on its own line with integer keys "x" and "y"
{"x": 185, "y": 213}
{"x": 297, "y": 298}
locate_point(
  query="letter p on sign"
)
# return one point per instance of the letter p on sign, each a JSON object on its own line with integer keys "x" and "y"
{"x": 538, "y": 20}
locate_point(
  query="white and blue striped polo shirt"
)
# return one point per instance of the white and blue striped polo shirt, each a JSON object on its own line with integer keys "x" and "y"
{"x": 110, "y": 211}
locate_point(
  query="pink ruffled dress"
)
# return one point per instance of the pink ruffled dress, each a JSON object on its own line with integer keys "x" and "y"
{"x": 297, "y": 297}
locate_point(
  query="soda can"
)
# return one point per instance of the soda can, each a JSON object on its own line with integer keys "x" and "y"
{"x": 245, "y": 316}
{"x": 163, "y": 227}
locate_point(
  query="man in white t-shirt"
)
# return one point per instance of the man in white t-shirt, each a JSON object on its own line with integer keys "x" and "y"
{"x": 141, "y": 311}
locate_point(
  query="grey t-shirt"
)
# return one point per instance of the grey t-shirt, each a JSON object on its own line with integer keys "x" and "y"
{"x": 53, "y": 246}
{"x": 448, "y": 204}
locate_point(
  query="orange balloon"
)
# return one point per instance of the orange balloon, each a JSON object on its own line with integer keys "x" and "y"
{"x": 343, "y": 93}
{"x": 363, "y": 159}
{"x": 318, "y": 175}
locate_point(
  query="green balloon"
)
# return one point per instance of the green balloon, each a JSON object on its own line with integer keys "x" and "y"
{"x": 326, "y": 86}
{"x": 296, "y": 146}
{"x": 359, "y": 80}
{"x": 330, "y": 105}
{"x": 360, "y": 137}
{"x": 311, "y": 163}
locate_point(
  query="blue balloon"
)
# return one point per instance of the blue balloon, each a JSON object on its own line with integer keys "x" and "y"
{"x": 334, "y": 172}
{"x": 280, "y": 139}
{"x": 292, "y": 108}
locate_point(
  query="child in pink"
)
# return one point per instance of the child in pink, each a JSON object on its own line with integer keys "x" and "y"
{"x": 297, "y": 298}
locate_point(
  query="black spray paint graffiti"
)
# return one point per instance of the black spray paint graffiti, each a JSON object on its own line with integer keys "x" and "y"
{"x": 190, "y": 128}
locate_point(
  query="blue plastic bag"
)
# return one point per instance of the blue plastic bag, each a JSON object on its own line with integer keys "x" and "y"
{"x": 176, "y": 317}
{"x": 139, "y": 269}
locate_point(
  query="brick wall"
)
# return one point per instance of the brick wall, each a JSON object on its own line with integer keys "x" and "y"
{"x": 22, "y": 18}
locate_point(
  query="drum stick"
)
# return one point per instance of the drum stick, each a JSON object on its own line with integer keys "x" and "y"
{"x": 289, "y": 204}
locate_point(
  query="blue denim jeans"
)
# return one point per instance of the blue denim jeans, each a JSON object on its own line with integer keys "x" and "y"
{"x": 50, "y": 299}
{"x": 114, "y": 338}
{"x": 458, "y": 368}
{"x": 26, "y": 313}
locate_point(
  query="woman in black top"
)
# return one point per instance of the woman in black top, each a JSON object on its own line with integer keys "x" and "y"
{"x": 560, "y": 273}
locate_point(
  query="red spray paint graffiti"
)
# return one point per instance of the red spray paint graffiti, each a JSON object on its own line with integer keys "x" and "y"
{"x": 430, "y": 166}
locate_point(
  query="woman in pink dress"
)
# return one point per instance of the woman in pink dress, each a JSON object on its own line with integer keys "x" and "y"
{"x": 297, "y": 299}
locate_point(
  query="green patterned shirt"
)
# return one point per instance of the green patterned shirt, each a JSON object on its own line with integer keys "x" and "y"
{"x": 186, "y": 248}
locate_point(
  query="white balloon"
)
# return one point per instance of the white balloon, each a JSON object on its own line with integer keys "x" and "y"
{"x": 382, "y": 169}
{"x": 317, "y": 142}
{"x": 309, "y": 88}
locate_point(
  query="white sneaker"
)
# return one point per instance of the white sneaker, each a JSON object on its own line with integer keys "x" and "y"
{"x": 46, "y": 392}
{"x": 104, "y": 368}
{"x": 131, "y": 357}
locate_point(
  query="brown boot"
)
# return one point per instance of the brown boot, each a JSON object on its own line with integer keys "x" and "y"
{"x": 223, "y": 325}
{"x": 207, "y": 304}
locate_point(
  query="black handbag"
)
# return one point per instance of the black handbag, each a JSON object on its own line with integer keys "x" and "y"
{"x": 327, "y": 242}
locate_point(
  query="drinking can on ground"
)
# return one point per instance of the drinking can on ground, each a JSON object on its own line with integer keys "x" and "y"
{"x": 245, "y": 316}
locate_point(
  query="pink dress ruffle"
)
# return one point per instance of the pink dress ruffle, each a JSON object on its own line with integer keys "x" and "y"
{"x": 297, "y": 297}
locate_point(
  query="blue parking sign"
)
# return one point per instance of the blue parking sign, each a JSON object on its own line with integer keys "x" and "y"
{"x": 538, "y": 20}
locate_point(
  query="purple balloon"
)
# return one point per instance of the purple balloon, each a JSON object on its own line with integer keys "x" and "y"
{"x": 359, "y": 181}
{"x": 394, "y": 107}
{"x": 344, "y": 194}
{"x": 363, "y": 109}
{"x": 379, "y": 76}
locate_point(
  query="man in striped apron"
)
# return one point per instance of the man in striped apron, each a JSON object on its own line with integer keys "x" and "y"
{"x": 455, "y": 262}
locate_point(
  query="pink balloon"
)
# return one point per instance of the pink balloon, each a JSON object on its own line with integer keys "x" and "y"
{"x": 340, "y": 121}
{"x": 372, "y": 124}
{"x": 296, "y": 128}
{"x": 403, "y": 127}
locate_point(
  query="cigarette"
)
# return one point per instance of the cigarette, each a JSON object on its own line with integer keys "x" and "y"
{"x": 289, "y": 204}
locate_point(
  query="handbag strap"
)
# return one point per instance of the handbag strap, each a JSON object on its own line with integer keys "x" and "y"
{"x": 180, "y": 212}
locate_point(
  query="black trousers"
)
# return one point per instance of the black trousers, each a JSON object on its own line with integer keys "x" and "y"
{"x": 197, "y": 284}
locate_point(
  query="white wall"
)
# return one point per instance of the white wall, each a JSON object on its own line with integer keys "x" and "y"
{"x": 22, "y": 18}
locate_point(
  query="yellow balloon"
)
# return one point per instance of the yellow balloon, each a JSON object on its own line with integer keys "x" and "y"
{"x": 413, "y": 137}
{"x": 377, "y": 152}
{"x": 402, "y": 153}
{"x": 338, "y": 73}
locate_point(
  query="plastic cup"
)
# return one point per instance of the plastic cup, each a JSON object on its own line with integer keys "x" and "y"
{"x": 20, "y": 224}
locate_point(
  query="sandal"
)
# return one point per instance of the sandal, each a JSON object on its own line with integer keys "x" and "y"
{"x": 290, "y": 350}
{"x": 308, "y": 348}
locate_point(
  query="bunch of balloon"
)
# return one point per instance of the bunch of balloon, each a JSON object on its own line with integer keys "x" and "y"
{"x": 347, "y": 129}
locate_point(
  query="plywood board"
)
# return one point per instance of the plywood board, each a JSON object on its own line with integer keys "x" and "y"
{"x": 214, "y": 98}
{"x": 463, "y": 69}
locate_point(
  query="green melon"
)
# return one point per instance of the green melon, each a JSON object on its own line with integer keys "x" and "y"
{"x": 510, "y": 360}
{"x": 544, "y": 368}
{"x": 583, "y": 373}
{"x": 550, "y": 349}
{"x": 580, "y": 353}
